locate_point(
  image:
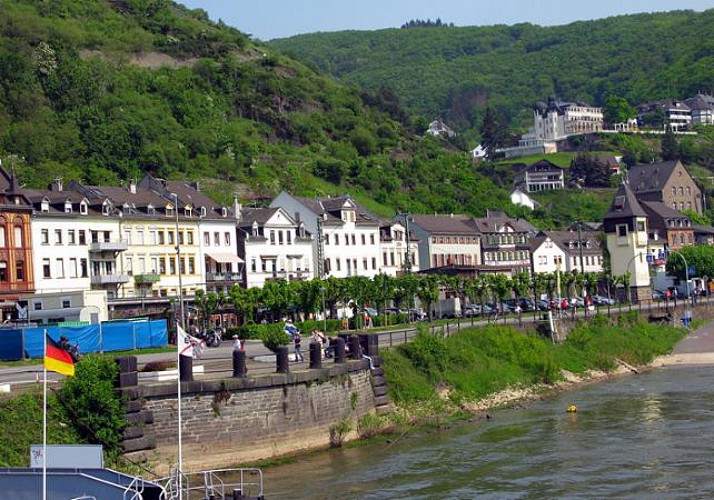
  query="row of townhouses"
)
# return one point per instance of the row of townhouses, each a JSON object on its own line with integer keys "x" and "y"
{"x": 134, "y": 249}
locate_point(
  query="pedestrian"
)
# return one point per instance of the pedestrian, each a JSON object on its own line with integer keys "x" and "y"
{"x": 290, "y": 329}
{"x": 237, "y": 344}
{"x": 519, "y": 313}
{"x": 297, "y": 340}
{"x": 319, "y": 337}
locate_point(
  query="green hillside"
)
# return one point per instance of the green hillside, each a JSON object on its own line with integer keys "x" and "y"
{"x": 102, "y": 91}
{"x": 453, "y": 72}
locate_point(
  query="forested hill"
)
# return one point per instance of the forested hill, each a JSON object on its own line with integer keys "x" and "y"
{"x": 453, "y": 71}
{"x": 104, "y": 90}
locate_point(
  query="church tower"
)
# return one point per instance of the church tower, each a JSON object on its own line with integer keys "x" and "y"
{"x": 625, "y": 227}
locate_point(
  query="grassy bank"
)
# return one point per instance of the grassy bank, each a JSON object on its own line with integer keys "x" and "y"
{"x": 478, "y": 362}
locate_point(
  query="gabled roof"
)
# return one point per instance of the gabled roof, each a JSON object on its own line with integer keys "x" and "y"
{"x": 659, "y": 209}
{"x": 625, "y": 205}
{"x": 331, "y": 208}
{"x": 259, "y": 215}
{"x": 700, "y": 101}
{"x": 442, "y": 224}
{"x": 496, "y": 220}
{"x": 651, "y": 177}
{"x": 564, "y": 239}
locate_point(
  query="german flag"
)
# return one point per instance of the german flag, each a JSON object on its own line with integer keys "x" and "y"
{"x": 57, "y": 359}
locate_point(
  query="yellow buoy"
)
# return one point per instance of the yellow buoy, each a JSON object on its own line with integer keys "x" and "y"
{"x": 572, "y": 409}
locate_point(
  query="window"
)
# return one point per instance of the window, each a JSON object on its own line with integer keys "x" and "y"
{"x": 59, "y": 267}
{"x": 83, "y": 267}
{"x": 227, "y": 238}
{"x": 172, "y": 265}
{"x": 139, "y": 236}
{"x": 182, "y": 267}
{"x": 689, "y": 190}
{"x": 66, "y": 303}
{"x": 82, "y": 237}
{"x": 44, "y": 238}
{"x": 252, "y": 265}
{"x": 364, "y": 239}
{"x": 83, "y": 208}
{"x": 20, "y": 270}
{"x": 290, "y": 236}
{"x": 180, "y": 237}
{"x": 371, "y": 239}
{"x": 353, "y": 240}
{"x": 161, "y": 237}
{"x": 337, "y": 264}
{"x": 327, "y": 239}
{"x": 207, "y": 238}
{"x": 37, "y": 306}
{"x": 347, "y": 239}
{"x": 71, "y": 237}
{"x": 72, "y": 267}
{"x": 191, "y": 265}
{"x": 17, "y": 236}
{"x": 622, "y": 230}
{"x": 280, "y": 237}
{"x": 130, "y": 266}
{"x": 172, "y": 237}
{"x": 189, "y": 237}
{"x": 58, "y": 236}
{"x": 364, "y": 264}
{"x": 46, "y": 272}
{"x": 217, "y": 238}
{"x": 374, "y": 263}
{"x": 272, "y": 237}
{"x": 162, "y": 265}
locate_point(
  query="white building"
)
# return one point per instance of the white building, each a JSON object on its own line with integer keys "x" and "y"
{"x": 346, "y": 235}
{"x": 556, "y": 120}
{"x": 553, "y": 251}
{"x": 273, "y": 246}
{"x": 76, "y": 242}
{"x": 399, "y": 253}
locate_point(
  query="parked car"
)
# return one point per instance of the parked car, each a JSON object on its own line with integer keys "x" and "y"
{"x": 657, "y": 295}
{"x": 526, "y": 304}
{"x": 371, "y": 311}
{"x": 417, "y": 314}
{"x": 543, "y": 305}
{"x": 576, "y": 302}
{"x": 472, "y": 310}
{"x": 600, "y": 300}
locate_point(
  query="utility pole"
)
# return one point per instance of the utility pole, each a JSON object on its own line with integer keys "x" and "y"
{"x": 580, "y": 247}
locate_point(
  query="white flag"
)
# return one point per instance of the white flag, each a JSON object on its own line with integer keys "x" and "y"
{"x": 188, "y": 345}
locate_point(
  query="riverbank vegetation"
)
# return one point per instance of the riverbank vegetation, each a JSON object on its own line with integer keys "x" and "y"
{"x": 442, "y": 373}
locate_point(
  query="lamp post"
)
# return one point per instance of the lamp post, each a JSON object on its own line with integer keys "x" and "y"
{"x": 178, "y": 258}
{"x": 408, "y": 259}
{"x": 324, "y": 310}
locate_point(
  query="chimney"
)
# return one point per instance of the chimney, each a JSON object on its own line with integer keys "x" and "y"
{"x": 56, "y": 185}
{"x": 196, "y": 186}
{"x": 237, "y": 207}
{"x": 132, "y": 186}
{"x": 297, "y": 217}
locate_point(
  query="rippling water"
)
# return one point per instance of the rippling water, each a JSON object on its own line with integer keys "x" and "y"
{"x": 642, "y": 436}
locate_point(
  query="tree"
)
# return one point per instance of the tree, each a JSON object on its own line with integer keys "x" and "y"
{"x": 493, "y": 132}
{"x": 617, "y": 110}
{"x": 700, "y": 259}
{"x": 590, "y": 171}
{"x": 669, "y": 145}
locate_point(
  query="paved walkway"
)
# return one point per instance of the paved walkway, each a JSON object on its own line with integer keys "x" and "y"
{"x": 696, "y": 348}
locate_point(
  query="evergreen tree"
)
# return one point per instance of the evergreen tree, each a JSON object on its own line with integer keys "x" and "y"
{"x": 492, "y": 132}
{"x": 669, "y": 145}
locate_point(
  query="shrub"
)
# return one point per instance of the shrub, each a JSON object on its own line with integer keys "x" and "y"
{"x": 272, "y": 339}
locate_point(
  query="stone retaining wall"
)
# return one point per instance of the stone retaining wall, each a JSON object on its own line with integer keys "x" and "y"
{"x": 239, "y": 420}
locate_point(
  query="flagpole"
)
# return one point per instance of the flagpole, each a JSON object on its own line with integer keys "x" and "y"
{"x": 44, "y": 419}
{"x": 178, "y": 383}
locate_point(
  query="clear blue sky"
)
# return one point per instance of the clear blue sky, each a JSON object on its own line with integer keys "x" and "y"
{"x": 268, "y": 19}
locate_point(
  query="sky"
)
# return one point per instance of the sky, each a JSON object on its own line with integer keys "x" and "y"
{"x": 269, "y": 19}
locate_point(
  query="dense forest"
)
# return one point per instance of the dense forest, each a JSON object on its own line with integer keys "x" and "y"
{"x": 453, "y": 72}
{"x": 103, "y": 91}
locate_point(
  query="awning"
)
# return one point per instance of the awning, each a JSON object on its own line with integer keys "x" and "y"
{"x": 224, "y": 257}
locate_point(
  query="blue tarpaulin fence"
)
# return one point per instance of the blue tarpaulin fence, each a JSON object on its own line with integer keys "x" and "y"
{"x": 19, "y": 343}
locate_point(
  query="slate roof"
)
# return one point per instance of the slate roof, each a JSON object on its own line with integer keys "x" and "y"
{"x": 443, "y": 224}
{"x": 331, "y": 208}
{"x": 650, "y": 177}
{"x": 259, "y": 215}
{"x": 495, "y": 220}
{"x": 700, "y": 101}
{"x": 625, "y": 205}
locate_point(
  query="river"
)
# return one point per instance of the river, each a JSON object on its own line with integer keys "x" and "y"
{"x": 640, "y": 436}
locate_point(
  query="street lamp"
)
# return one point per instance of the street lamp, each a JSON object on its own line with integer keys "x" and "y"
{"x": 324, "y": 311}
{"x": 178, "y": 258}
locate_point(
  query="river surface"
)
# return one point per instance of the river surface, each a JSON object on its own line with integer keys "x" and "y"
{"x": 642, "y": 436}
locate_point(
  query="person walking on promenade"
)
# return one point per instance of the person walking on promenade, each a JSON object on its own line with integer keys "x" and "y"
{"x": 297, "y": 340}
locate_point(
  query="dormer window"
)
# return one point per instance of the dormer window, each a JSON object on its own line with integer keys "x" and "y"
{"x": 187, "y": 211}
{"x": 83, "y": 208}
{"x": 203, "y": 211}
{"x": 169, "y": 211}
{"x": 68, "y": 207}
{"x": 45, "y": 206}
{"x": 106, "y": 208}
{"x": 255, "y": 229}
{"x": 224, "y": 212}
{"x": 151, "y": 210}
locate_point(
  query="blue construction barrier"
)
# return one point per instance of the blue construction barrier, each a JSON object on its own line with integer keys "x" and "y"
{"x": 20, "y": 343}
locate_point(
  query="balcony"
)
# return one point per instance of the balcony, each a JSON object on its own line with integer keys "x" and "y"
{"x": 223, "y": 276}
{"x": 146, "y": 279}
{"x": 110, "y": 279}
{"x": 108, "y": 246}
